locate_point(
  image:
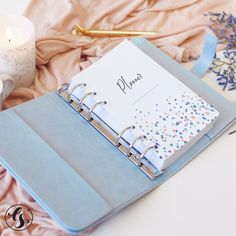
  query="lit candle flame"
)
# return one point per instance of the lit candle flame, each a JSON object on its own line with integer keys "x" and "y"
{"x": 9, "y": 35}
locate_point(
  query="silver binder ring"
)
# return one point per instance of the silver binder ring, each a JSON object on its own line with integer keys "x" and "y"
{"x": 81, "y": 101}
{"x": 63, "y": 88}
{"x": 73, "y": 89}
{"x": 121, "y": 134}
{"x": 144, "y": 153}
{"x": 141, "y": 137}
{"x": 93, "y": 107}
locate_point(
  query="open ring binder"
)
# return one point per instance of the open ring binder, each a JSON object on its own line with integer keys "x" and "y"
{"x": 141, "y": 137}
{"x": 81, "y": 101}
{"x": 73, "y": 89}
{"x": 121, "y": 134}
{"x": 144, "y": 153}
{"x": 95, "y": 176}
{"x": 113, "y": 137}
{"x": 63, "y": 88}
{"x": 93, "y": 107}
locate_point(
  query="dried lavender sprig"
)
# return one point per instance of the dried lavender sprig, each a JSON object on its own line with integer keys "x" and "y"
{"x": 224, "y": 26}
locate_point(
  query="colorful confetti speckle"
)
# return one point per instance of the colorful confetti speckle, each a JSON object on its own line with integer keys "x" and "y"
{"x": 182, "y": 119}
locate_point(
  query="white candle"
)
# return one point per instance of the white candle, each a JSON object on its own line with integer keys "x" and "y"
{"x": 17, "y": 49}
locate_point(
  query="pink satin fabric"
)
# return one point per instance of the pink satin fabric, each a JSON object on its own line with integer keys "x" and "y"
{"x": 181, "y": 26}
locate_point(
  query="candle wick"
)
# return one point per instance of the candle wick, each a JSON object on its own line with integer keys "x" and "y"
{"x": 9, "y": 40}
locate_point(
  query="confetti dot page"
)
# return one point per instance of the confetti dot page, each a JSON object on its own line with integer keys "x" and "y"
{"x": 140, "y": 92}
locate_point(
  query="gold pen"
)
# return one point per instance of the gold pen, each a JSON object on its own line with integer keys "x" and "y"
{"x": 78, "y": 30}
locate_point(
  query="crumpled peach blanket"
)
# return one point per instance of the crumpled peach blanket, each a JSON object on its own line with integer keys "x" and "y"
{"x": 181, "y": 27}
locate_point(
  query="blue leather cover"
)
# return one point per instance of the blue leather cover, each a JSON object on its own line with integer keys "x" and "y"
{"x": 71, "y": 169}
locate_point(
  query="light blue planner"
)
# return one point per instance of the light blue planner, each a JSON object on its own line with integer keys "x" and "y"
{"x": 72, "y": 170}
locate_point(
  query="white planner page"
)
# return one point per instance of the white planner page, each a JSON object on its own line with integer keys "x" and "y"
{"x": 140, "y": 92}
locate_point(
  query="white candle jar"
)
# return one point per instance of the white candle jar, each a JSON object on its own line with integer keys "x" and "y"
{"x": 17, "y": 49}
